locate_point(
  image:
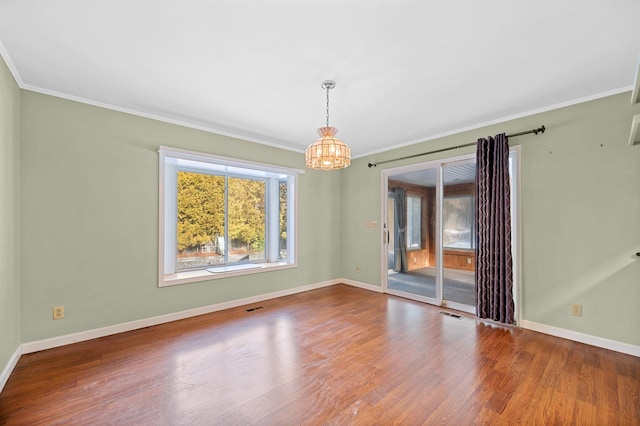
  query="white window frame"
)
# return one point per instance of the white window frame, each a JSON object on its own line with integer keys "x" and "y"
{"x": 170, "y": 161}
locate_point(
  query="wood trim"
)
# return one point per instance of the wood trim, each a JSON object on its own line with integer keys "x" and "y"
{"x": 459, "y": 259}
{"x": 459, "y": 189}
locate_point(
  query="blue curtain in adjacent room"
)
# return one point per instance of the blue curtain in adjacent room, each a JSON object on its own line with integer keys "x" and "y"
{"x": 400, "y": 230}
{"x": 494, "y": 263}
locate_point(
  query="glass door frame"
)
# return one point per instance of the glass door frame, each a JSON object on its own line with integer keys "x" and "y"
{"x": 443, "y": 165}
{"x": 385, "y": 175}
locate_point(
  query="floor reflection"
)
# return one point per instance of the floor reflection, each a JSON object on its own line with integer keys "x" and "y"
{"x": 459, "y": 286}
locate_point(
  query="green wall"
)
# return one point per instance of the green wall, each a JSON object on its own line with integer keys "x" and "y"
{"x": 9, "y": 216}
{"x": 580, "y": 215}
{"x": 90, "y": 219}
{"x": 89, "y": 185}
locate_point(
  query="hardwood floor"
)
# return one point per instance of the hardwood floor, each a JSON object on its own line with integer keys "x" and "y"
{"x": 338, "y": 355}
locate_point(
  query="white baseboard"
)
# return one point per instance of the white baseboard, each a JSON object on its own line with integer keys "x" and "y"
{"x": 53, "y": 342}
{"x": 601, "y": 342}
{"x": 40, "y": 345}
{"x": 358, "y": 284}
{"x": 8, "y": 369}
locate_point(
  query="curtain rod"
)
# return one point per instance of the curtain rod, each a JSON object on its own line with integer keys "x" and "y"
{"x": 534, "y": 131}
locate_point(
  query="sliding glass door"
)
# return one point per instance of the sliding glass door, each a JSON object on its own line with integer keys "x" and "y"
{"x": 431, "y": 248}
{"x": 430, "y": 231}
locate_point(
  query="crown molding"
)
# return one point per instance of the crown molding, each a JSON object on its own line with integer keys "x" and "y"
{"x": 12, "y": 68}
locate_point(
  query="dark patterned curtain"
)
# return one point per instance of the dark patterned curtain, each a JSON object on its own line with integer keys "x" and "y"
{"x": 399, "y": 231}
{"x": 494, "y": 264}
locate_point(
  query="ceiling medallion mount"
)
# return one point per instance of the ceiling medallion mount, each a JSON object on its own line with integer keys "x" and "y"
{"x": 328, "y": 84}
{"x": 328, "y": 152}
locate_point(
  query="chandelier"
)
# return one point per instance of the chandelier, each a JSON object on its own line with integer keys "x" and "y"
{"x": 328, "y": 152}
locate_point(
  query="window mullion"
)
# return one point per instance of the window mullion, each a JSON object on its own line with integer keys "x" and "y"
{"x": 170, "y": 219}
{"x": 292, "y": 209}
{"x": 226, "y": 220}
{"x": 273, "y": 219}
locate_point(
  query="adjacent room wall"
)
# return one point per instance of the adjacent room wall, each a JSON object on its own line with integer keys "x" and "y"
{"x": 9, "y": 217}
{"x": 580, "y": 215}
{"x": 90, "y": 219}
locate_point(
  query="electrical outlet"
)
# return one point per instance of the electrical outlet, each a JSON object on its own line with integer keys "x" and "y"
{"x": 357, "y": 269}
{"x": 576, "y": 310}
{"x": 58, "y": 312}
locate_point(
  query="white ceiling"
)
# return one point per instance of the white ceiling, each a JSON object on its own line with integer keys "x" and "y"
{"x": 405, "y": 71}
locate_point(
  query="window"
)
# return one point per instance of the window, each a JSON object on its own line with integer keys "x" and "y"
{"x": 414, "y": 222}
{"x": 458, "y": 223}
{"x": 223, "y": 217}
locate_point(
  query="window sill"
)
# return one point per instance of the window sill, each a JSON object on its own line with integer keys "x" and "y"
{"x": 204, "y": 275}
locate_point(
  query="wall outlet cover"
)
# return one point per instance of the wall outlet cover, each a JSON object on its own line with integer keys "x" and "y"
{"x": 576, "y": 310}
{"x": 58, "y": 312}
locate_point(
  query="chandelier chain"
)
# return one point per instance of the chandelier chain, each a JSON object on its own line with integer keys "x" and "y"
{"x": 327, "y": 106}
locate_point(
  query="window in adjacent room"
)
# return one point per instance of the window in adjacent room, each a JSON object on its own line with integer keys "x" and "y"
{"x": 414, "y": 222}
{"x": 458, "y": 222}
{"x": 222, "y": 217}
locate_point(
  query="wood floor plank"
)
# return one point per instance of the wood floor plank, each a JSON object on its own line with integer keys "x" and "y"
{"x": 337, "y": 355}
